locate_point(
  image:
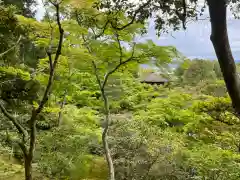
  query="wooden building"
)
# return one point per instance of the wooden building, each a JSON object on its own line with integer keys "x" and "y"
{"x": 154, "y": 78}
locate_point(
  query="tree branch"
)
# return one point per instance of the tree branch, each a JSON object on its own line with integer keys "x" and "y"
{"x": 2, "y": 54}
{"x": 49, "y": 51}
{"x": 19, "y": 127}
{"x": 133, "y": 18}
{"x": 93, "y": 62}
{"x": 96, "y": 74}
{"x": 120, "y": 48}
{"x": 117, "y": 67}
{"x": 62, "y": 107}
{"x": 103, "y": 28}
{"x": 23, "y": 148}
{"x": 182, "y": 16}
{"x": 49, "y": 85}
{"x": 57, "y": 54}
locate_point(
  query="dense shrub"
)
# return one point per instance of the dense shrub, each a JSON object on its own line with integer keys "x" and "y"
{"x": 68, "y": 150}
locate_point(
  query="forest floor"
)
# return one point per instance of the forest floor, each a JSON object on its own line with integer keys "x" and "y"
{"x": 10, "y": 169}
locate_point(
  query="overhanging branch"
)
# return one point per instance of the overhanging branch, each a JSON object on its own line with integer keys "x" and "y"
{"x": 133, "y": 18}
{"x": 103, "y": 28}
{"x": 19, "y": 127}
{"x": 2, "y": 54}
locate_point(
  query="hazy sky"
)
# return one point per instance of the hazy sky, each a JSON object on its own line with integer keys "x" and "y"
{"x": 193, "y": 42}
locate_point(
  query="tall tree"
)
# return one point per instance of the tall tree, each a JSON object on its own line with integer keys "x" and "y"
{"x": 28, "y": 132}
{"x": 220, "y": 41}
{"x": 105, "y": 43}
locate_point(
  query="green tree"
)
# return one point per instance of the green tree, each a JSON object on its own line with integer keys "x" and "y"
{"x": 217, "y": 70}
{"x": 199, "y": 70}
{"x": 120, "y": 57}
{"x": 183, "y": 66}
{"x": 108, "y": 57}
{"x": 27, "y": 134}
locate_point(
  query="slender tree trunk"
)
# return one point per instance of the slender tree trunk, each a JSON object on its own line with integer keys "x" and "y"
{"x": 28, "y": 168}
{"x": 220, "y": 41}
{"x": 28, "y": 158}
{"x": 61, "y": 108}
{"x": 105, "y": 135}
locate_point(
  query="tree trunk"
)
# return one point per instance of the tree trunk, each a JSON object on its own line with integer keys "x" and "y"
{"x": 105, "y": 135}
{"x": 28, "y": 156}
{"x": 220, "y": 41}
{"x": 28, "y": 168}
{"x": 61, "y": 108}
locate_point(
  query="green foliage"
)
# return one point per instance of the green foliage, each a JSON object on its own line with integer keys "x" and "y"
{"x": 183, "y": 131}
{"x": 212, "y": 163}
{"x": 11, "y": 71}
{"x": 56, "y": 152}
{"x": 17, "y": 86}
{"x": 24, "y": 7}
{"x": 216, "y": 88}
{"x": 179, "y": 72}
{"x": 207, "y": 129}
{"x": 199, "y": 70}
{"x": 217, "y": 70}
{"x": 167, "y": 111}
{"x": 139, "y": 154}
{"x": 9, "y": 33}
{"x": 126, "y": 105}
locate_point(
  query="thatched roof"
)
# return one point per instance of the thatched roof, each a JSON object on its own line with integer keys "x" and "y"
{"x": 154, "y": 78}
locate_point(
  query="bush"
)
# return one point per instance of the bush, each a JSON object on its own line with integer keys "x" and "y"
{"x": 67, "y": 151}
{"x": 126, "y": 105}
{"x": 144, "y": 152}
{"x": 217, "y": 88}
